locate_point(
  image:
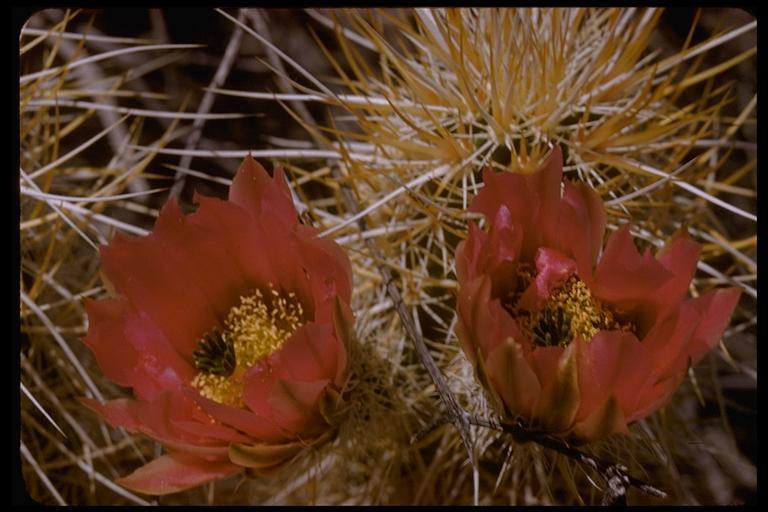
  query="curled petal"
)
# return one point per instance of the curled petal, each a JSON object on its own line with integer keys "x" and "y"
{"x": 500, "y": 255}
{"x": 176, "y": 472}
{"x": 253, "y": 190}
{"x": 495, "y": 254}
{"x": 262, "y": 457}
{"x": 554, "y": 269}
{"x": 483, "y": 322}
{"x": 330, "y": 403}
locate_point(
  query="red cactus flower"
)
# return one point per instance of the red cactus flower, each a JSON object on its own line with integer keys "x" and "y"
{"x": 231, "y": 325}
{"x": 571, "y": 342}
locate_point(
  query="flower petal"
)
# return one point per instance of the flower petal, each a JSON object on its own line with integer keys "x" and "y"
{"x": 343, "y": 329}
{"x": 201, "y": 253}
{"x": 512, "y": 378}
{"x": 155, "y": 283}
{"x": 263, "y": 456}
{"x": 253, "y": 190}
{"x": 679, "y": 256}
{"x": 328, "y": 271}
{"x": 243, "y": 239}
{"x": 295, "y": 404}
{"x": 214, "y": 430}
{"x": 468, "y": 253}
{"x": 176, "y": 472}
{"x": 613, "y": 363}
{"x": 329, "y": 404}
{"x": 155, "y": 418}
{"x": 501, "y": 253}
{"x": 317, "y": 270}
{"x": 118, "y": 413}
{"x": 494, "y": 254}
{"x": 161, "y": 421}
{"x": 116, "y": 360}
{"x": 131, "y": 351}
{"x": 625, "y": 279}
{"x": 310, "y": 353}
{"x": 531, "y": 199}
{"x": 715, "y": 308}
{"x": 483, "y": 322}
{"x": 580, "y": 227}
{"x": 668, "y": 342}
{"x": 469, "y": 297}
{"x": 603, "y": 421}
{"x": 554, "y": 268}
{"x": 255, "y": 425}
{"x": 655, "y": 396}
{"x": 560, "y": 396}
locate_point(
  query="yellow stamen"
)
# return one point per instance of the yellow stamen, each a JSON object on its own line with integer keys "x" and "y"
{"x": 258, "y": 326}
{"x": 225, "y": 390}
{"x": 571, "y": 311}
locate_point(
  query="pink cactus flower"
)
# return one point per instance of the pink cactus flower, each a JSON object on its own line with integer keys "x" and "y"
{"x": 231, "y": 325}
{"x": 571, "y": 341}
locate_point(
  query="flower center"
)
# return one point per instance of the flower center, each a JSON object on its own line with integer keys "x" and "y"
{"x": 255, "y": 328}
{"x": 571, "y": 311}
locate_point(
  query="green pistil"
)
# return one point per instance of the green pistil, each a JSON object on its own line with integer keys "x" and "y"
{"x": 216, "y": 355}
{"x": 552, "y": 327}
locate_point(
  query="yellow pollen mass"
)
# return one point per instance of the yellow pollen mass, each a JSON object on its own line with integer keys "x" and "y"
{"x": 571, "y": 311}
{"x": 257, "y": 327}
{"x": 224, "y": 390}
{"x": 586, "y": 314}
